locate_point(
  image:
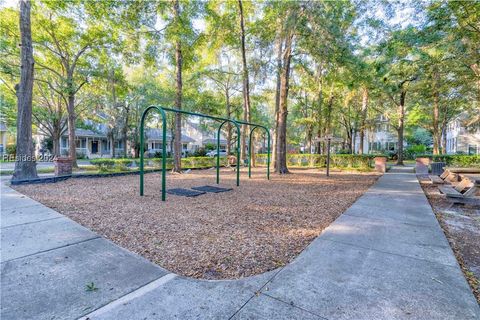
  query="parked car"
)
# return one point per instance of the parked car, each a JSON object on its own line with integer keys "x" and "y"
{"x": 213, "y": 153}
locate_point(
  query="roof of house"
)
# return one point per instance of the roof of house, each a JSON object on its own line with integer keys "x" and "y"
{"x": 467, "y": 118}
{"x": 101, "y": 132}
{"x": 156, "y": 134}
{"x": 80, "y": 132}
{"x": 214, "y": 141}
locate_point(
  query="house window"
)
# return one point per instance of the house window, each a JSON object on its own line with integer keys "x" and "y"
{"x": 119, "y": 144}
{"x": 156, "y": 145}
{"x": 472, "y": 149}
{"x": 81, "y": 143}
{"x": 64, "y": 142}
{"x": 105, "y": 146}
{"x": 184, "y": 146}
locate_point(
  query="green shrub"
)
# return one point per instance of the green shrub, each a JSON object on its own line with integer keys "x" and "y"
{"x": 11, "y": 149}
{"x": 200, "y": 152}
{"x": 157, "y": 162}
{"x": 103, "y": 165}
{"x": 122, "y": 164}
{"x": 191, "y": 162}
{"x": 320, "y": 160}
{"x": 454, "y": 160}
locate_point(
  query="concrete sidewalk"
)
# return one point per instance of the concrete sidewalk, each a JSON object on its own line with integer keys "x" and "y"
{"x": 384, "y": 258}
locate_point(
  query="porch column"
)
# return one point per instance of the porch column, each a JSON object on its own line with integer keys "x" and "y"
{"x": 4, "y": 141}
{"x": 87, "y": 147}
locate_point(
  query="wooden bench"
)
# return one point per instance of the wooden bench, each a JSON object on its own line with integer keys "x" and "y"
{"x": 436, "y": 179}
{"x": 463, "y": 170}
{"x": 464, "y": 189}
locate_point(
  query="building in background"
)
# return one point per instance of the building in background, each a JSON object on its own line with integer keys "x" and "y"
{"x": 383, "y": 138}
{"x": 202, "y": 136}
{"x": 3, "y": 137}
{"x": 463, "y": 134}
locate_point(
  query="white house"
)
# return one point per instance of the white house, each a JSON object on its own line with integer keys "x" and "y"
{"x": 95, "y": 143}
{"x": 382, "y": 138}
{"x": 201, "y": 137}
{"x": 92, "y": 143}
{"x": 3, "y": 137}
{"x": 463, "y": 134}
{"x": 154, "y": 141}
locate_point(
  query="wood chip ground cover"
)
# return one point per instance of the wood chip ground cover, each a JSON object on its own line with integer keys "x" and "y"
{"x": 461, "y": 225}
{"x": 254, "y": 228}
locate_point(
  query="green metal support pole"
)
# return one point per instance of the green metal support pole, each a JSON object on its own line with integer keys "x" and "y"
{"x": 142, "y": 150}
{"x": 164, "y": 150}
{"x": 162, "y": 110}
{"x": 224, "y": 120}
{"x": 218, "y": 150}
{"x": 238, "y": 149}
{"x": 268, "y": 153}
{"x": 250, "y": 150}
{"x": 164, "y": 154}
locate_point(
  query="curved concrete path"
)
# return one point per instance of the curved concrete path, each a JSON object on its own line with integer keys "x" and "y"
{"x": 384, "y": 258}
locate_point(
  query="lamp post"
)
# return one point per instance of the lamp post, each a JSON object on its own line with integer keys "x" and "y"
{"x": 329, "y": 139}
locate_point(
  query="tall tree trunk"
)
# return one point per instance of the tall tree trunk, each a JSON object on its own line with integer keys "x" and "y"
{"x": 177, "y": 163}
{"x": 277, "y": 100}
{"x": 229, "y": 125}
{"x": 112, "y": 145}
{"x": 124, "y": 135}
{"x": 56, "y": 134}
{"x": 283, "y": 107}
{"x": 246, "y": 85}
{"x": 319, "y": 108}
{"x": 435, "y": 119}
{"x": 72, "y": 117}
{"x": 25, "y": 164}
{"x": 444, "y": 129}
{"x": 328, "y": 120}
{"x": 363, "y": 119}
{"x": 400, "y": 127}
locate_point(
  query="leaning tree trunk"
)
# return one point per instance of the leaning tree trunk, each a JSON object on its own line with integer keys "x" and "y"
{"x": 25, "y": 164}
{"x": 363, "y": 120}
{"x": 246, "y": 85}
{"x": 177, "y": 147}
{"x": 400, "y": 128}
{"x": 283, "y": 108}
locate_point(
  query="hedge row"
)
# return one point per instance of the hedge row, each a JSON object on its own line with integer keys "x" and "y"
{"x": 455, "y": 160}
{"x": 320, "y": 160}
{"x": 105, "y": 165}
{"x": 190, "y": 162}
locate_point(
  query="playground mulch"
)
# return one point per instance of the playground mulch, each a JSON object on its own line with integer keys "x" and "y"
{"x": 257, "y": 227}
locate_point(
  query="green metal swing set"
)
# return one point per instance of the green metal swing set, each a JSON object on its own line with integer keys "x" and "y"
{"x": 236, "y": 123}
